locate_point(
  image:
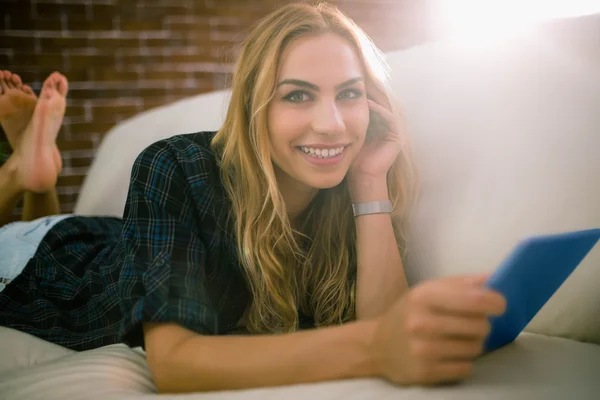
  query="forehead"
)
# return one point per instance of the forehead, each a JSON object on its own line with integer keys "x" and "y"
{"x": 324, "y": 60}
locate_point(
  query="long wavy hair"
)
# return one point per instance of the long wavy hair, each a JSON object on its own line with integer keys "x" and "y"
{"x": 310, "y": 268}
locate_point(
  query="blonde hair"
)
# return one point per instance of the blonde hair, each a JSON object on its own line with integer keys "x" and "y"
{"x": 313, "y": 268}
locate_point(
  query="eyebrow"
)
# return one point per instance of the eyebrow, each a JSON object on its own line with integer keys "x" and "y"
{"x": 314, "y": 87}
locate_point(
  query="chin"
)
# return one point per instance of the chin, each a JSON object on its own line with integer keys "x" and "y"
{"x": 326, "y": 183}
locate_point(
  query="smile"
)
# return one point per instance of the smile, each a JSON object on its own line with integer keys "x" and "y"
{"x": 322, "y": 153}
{"x": 323, "y": 157}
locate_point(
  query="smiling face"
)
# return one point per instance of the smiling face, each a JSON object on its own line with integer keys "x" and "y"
{"x": 318, "y": 118}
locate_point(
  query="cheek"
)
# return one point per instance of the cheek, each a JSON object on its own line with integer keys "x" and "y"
{"x": 285, "y": 124}
{"x": 357, "y": 119}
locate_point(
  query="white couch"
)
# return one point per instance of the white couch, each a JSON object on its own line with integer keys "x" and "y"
{"x": 507, "y": 139}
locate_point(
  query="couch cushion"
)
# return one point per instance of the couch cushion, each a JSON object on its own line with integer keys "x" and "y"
{"x": 507, "y": 139}
{"x": 534, "y": 367}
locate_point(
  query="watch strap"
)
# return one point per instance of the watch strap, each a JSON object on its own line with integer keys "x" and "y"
{"x": 373, "y": 207}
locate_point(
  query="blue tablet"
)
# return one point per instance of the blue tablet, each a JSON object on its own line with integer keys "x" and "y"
{"x": 530, "y": 275}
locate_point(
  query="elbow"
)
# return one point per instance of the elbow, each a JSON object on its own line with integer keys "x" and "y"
{"x": 165, "y": 361}
{"x": 172, "y": 375}
{"x": 159, "y": 369}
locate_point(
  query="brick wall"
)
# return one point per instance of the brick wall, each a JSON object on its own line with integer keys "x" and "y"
{"x": 126, "y": 56}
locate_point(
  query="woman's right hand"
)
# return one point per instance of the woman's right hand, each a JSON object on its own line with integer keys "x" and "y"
{"x": 434, "y": 332}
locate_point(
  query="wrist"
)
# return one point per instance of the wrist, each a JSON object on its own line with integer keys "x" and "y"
{"x": 372, "y": 365}
{"x": 366, "y": 190}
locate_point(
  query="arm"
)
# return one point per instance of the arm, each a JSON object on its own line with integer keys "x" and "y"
{"x": 182, "y": 361}
{"x": 381, "y": 279}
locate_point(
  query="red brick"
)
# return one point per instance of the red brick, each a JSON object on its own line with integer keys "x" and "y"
{"x": 109, "y": 74}
{"x": 57, "y": 44}
{"x": 79, "y": 162}
{"x": 64, "y": 199}
{"x": 106, "y": 59}
{"x": 117, "y": 93}
{"x": 52, "y": 61}
{"x": 111, "y": 113}
{"x": 18, "y": 43}
{"x": 164, "y": 75}
{"x": 69, "y": 145}
{"x": 48, "y": 10}
{"x": 75, "y": 111}
{"x": 79, "y": 129}
{"x": 112, "y": 44}
{"x": 77, "y": 74}
{"x": 151, "y": 24}
{"x": 5, "y": 59}
{"x": 104, "y": 11}
{"x": 70, "y": 180}
{"x": 171, "y": 41}
{"x": 75, "y": 23}
{"x": 22, "y": 20}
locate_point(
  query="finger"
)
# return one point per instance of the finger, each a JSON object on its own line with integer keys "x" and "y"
{"x": 444, "y": 297}
{"x": 446, "y": 349}
{"x": 385, "y": 114}
{"x": 445, "y": 325}
{"x": 471, "y": 279}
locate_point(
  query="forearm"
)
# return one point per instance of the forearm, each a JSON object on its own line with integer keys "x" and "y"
{"x": 207, "y": 363}
{"x": 381, "y": 278}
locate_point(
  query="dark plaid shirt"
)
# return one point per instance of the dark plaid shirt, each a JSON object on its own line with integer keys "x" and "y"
{"x": 93, "y": 280}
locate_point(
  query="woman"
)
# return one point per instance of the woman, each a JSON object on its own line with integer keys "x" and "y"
{"x": 284, "y": 226}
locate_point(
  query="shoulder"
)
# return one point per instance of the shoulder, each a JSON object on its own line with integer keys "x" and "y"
{"x": 181, "y": 163}
{"x": 182, "y": 172}
{"x": 190, "y": 152}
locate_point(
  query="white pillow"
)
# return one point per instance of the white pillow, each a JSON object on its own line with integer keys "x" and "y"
{"x": 508, "y": 142}
{"x": 519, "y": 371}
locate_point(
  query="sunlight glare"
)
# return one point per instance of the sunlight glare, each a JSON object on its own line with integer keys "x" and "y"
{"x": 485, "y": 21}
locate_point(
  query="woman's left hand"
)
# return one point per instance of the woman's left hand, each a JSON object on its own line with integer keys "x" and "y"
{"x": 381, "y": 147}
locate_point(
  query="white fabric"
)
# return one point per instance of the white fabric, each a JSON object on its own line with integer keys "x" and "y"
{"x": 534, "y": 367}
{"x": 508, "y": 142}
{"x": 507, "y": 139}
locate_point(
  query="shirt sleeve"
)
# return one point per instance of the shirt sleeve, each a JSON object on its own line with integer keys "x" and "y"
{"x": 164, "y": 275}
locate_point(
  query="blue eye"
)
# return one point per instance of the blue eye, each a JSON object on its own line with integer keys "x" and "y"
{"x": 297, "y": 97}
{"x": 350, "y": 94}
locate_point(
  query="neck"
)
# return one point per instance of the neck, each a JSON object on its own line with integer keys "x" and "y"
{"x": 296, "y": 195}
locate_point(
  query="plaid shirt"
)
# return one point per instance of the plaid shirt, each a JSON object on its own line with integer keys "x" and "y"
{"x": 93, "y": 280}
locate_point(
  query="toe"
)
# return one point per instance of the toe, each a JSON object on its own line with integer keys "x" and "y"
{"x": 3, "y": 78}
{"x": 27, "y": 89}
{"x": 58, "y": 82}
{"x": 16, "y": 80}
{"x": 62, "y": 85}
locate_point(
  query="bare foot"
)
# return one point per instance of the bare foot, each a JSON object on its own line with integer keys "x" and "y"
{"x": 37, "y": 152}
{"x": 17, "y": 102}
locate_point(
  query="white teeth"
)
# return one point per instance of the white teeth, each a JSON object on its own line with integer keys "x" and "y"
{"x": 322, "y": 153}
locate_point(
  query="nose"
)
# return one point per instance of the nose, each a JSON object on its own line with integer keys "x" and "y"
{"x": 327, "y": 119}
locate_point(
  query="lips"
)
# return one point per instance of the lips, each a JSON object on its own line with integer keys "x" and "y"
{"x": 322, "y": 152}
{"x": 318, "y": 160}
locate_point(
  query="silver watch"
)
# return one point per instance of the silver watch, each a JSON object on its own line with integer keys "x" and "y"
{"x": 373, "y": 207}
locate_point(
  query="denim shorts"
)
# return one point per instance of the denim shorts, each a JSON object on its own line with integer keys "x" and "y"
{"x": 19, "y": 242}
